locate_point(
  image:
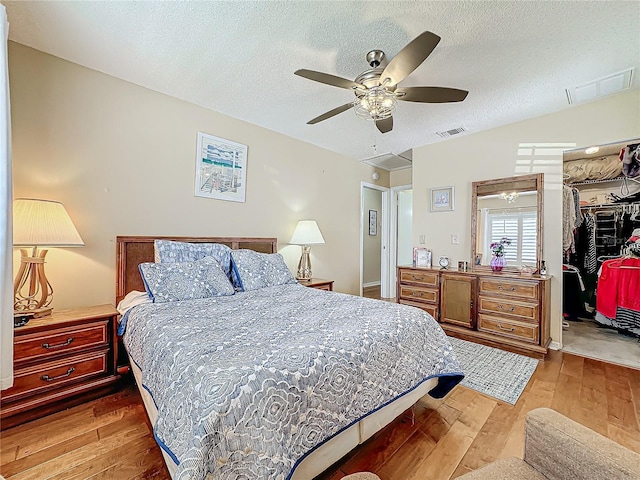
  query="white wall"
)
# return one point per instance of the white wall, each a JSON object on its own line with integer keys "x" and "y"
{"x": 121, "y": 158}
{"x": 372, "y": 244}
{"x": 494, "y": 154}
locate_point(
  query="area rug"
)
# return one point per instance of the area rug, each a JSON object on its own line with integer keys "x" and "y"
{"x": 494, "y": 372}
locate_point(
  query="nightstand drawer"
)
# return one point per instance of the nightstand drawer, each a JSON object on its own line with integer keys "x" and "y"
{"x": 47, "y": 376}
{"x": 524, "y": 331}
{"x": 425, "y": 279}
{"x": 38, "y": 346}
{"x": 410, "y": 292}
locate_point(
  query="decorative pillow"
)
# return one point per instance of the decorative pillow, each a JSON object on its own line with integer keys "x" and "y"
{"x": 172, "y": 282}
{"x": 258, "y": 270}
{"x": 169, "y": 251}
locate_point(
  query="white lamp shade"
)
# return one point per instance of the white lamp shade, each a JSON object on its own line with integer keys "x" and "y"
{"x": 43, "y": 223}
{"x": 306, "y": 233}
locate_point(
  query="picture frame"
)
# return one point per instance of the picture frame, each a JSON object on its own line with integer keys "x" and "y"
{"x": 221, "y": 169}
{"x": 373, "y": 222}
{"x": 422, "y": 257}
{"x": 441, "y": 199}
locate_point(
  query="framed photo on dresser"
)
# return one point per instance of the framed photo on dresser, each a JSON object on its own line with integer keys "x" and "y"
{"x": 421, "y": 257}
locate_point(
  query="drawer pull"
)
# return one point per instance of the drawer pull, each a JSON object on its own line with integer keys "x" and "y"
{"x": 512, "y": 289}
{"x": 47, "y": 378}
{"x": 415, "y": 277}
{"x": 512, "y": 309}
{"x": 58, "y": 345}
{"x": 416, "y": 294}
{"x": 506, "y": 329}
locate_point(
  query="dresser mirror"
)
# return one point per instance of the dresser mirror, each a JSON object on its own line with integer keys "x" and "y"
{"x": 507, "y": 208}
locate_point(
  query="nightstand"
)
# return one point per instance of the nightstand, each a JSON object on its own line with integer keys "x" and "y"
{"x": 318, "y": 283}
{"x": 60, "y": 361}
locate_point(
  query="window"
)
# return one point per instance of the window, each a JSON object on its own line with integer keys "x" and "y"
{"x": 518, "y": 226}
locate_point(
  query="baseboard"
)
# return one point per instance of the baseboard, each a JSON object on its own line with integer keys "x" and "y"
{"x": 371, "y": 284}
{"x": 555, "y": 346}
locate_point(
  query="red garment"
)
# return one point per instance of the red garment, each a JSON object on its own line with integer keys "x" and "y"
{"x": 618, "y": 286}
{"x": 607, "y": 293}
{"x": 629, "y": 285}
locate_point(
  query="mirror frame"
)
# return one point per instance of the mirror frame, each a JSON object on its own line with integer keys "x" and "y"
{"x": 520, "y": 183}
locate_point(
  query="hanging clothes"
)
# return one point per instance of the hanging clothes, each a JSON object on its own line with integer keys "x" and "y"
{"x": 618, "y": 286}
{"x": 568, "y": 218}
{"x": 576, "y": 204}
{"x": 590, "y": 256}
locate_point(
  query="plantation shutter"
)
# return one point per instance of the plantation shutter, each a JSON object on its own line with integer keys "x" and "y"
{"x": 529, "y": 235}
{"x": 521, "y": 229}
{"x": 506, "y": 225}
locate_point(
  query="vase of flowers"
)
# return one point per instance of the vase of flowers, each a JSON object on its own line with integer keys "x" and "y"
{"x": 498, "y": 249}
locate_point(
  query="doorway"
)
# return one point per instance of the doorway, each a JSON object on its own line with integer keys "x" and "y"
{"x": 374, "y": 237}
{"x": 601, "y": 219}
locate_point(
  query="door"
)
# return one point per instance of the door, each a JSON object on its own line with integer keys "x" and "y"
{"x": 457, "y": 300}
{"x": 401, "y": 241}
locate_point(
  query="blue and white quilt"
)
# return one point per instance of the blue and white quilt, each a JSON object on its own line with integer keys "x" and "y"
{"x": 247, "y": 385}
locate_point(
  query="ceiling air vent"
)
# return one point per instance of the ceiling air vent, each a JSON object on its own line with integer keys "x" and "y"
{"x": 452, "y": 132}
{"x": 600, "y": 87}
{"x": 389, "y": 161}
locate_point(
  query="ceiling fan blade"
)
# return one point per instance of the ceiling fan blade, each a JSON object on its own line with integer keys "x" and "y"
{"x": 431, "y": 94}
{"x": 331, "y": 113}
{"x": 327, "y": 79}
{"x": 410, "y": 58}
{"x": 385, "y": 125}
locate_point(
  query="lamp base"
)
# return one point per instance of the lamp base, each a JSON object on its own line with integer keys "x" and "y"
{"x": 31, "y": 289}
{"x": 304, "y": 265}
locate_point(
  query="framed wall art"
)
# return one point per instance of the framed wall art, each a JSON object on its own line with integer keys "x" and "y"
{"x": 373, "y": 222}
{"x": 441, "y": 199}
{"x": 221, "y": 169}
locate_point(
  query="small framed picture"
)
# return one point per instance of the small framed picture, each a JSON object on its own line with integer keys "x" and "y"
{"x": 373, "y": 222}
{"x": 421, "y": 257}
{"x": 442, "y": 199}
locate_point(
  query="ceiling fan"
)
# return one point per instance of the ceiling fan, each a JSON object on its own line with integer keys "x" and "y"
{"x": 377, "y": 90}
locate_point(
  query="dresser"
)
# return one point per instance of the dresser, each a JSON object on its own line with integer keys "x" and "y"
{"x": 504, "y": 310}
{"x": 61, "y": 360}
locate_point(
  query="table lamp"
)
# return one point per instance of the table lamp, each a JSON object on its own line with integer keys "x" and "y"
{"x": 306, "y": 233}
{"x": 38, "y": 223}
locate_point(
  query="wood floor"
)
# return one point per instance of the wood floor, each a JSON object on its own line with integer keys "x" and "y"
{"x": 109, "y": 438}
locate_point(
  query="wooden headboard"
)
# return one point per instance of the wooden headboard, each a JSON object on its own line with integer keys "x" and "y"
{"x": 132, "y": 251}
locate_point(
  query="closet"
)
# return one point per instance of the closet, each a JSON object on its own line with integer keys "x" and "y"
{"x": 601, "y": 223}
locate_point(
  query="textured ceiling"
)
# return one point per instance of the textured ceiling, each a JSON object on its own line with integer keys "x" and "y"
{"x": 515, "y": 57}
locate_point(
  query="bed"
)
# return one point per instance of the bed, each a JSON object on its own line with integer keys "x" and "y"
{"x": 277, "y": 382}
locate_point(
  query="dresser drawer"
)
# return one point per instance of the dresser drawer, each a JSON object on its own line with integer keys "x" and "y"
{"x": 411, "y": 292}
{"x": 39, "y": 346}
{"x": 525, "y": 311}
{"x": 47, "y": 376}
{"x": 430, "y": 308}
{"x": 514, "y": 288}
{"x": 527, "y": 332}
{"x": 425, "y": 279}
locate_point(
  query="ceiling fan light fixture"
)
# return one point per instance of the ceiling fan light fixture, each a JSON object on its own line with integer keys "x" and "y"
{"x": 377, "y": 103}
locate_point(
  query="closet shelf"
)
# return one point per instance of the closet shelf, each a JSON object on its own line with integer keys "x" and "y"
{"x": 608, "y": 180}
